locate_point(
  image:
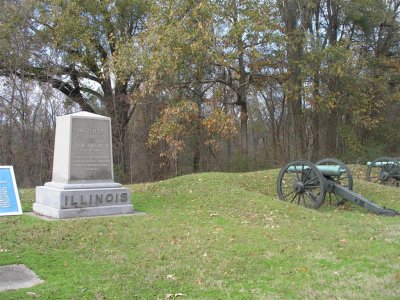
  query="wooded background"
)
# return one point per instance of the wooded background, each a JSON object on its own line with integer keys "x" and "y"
{"x": 201, "y": 85}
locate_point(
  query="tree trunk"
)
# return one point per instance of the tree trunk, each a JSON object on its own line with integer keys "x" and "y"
{"x": 196, "y": 144}
{"x": 315, "y": 153}
{"x": 243, "y": 130}
{"x": 120, "y": 118}
{"x": 333, "y": 82}
{"x": 294, "y": 52}
{"x": 120, "y": 110}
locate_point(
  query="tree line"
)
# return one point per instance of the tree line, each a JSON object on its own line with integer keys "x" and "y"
{"x": 217, "y": 85}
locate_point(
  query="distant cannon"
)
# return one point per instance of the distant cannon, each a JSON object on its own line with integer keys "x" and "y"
{"x": 303, "y": 182}
{"x": 384, "y": 170}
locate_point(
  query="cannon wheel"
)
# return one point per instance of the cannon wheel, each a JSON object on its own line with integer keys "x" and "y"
{"x": 306, "y": 186}
{"x": 345, "y": 179}
{"x": 386, "y": 174}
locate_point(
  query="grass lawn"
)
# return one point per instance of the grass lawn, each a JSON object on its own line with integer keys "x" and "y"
{"x": 212, "y": 236}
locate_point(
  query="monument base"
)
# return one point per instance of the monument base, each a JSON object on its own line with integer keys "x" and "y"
{"x": 62, "y": 203}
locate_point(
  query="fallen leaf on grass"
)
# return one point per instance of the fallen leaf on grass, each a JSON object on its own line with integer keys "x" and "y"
{"x": 397, "y": 276}
{"x": 218, "y": 230}
{"x": 303, "y": 269}
{"x": 287, "y": 273}
{"x": 171, "y": 277}
{"x": 172, "y": 296}
{"x": 175, "y": 242}
{"x": 31, "y": 294}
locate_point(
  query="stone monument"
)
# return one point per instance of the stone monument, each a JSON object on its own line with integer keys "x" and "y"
{"x": 83, "y": 179}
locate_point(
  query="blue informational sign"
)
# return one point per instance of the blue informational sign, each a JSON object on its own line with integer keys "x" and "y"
{"x": 9, "y": 197}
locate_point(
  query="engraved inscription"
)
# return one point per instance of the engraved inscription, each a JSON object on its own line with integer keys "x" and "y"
{"x": 90, "y": 150}
{"x": 4, "y": 197}
{"x": 94, "y": 200}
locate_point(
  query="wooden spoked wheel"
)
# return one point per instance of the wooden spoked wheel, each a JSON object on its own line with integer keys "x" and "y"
{"x": 300, "y": 182}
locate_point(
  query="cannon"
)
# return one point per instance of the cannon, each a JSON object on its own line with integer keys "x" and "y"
{"x": 308, "y": 184}
{"x": 384, "y": 170}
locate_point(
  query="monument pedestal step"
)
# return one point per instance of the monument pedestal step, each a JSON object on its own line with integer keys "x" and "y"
{"x": 81, "y": 212}
{"x": 72, "y": 203}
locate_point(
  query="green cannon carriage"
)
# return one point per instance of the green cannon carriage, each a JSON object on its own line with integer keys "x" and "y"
{"x": 384, "y": 170}
{"x": 303, "y": 182}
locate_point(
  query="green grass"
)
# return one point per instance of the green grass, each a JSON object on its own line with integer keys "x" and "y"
{"x": 212, "y": 236}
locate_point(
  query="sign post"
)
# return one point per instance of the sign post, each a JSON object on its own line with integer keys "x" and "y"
{"x": 10, "y": 203}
